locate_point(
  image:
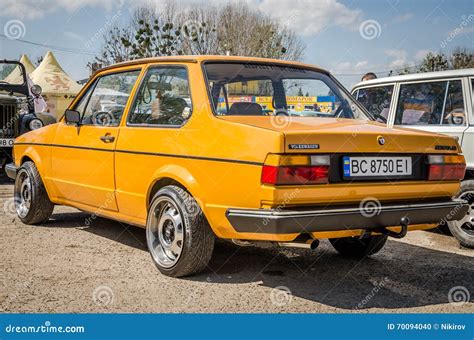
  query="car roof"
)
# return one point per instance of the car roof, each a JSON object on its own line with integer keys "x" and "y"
{"x": 417, "y": 76}
{"x": 206, "y": 58}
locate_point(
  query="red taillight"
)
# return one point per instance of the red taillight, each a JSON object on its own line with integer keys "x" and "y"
{"x": 446, "y": 172}
{"x": 297, "y": 175}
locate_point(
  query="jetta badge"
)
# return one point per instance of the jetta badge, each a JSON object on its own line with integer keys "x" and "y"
{"x": 381, "y": 140}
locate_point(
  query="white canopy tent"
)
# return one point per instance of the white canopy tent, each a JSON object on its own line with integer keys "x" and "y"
{"x": 58, "y": 87}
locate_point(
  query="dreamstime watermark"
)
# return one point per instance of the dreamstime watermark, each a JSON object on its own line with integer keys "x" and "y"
{"x": 104, "y": 119}
{"x": 18, "y": 288}
{"x": 110, "y": 199}
{"x": 377, "y": 287}
{"x": 281, "y": 296}
{"x": 9, "y": 207}
{"x": 47, "y": 327}
{"x": 459, "y": 295}
{"x": 103, "y": 296}
{"x": 14, "y": 29}
{"x": 280, "y": 121}
{"x": 370, "y": 207}
{"x": 370, "y": 29}
{"x": 453, "y": 212}
{"x": 466, "y": 20}
{"x": 192, "y": 29}
{"x": 192, "y": 206}
{"x": 288, "y": 197}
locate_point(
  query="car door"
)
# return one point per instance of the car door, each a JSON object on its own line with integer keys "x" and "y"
{"x": 82, "y": 158}
{"x": 433, "y": 105}
{"x": 156, "y": 124}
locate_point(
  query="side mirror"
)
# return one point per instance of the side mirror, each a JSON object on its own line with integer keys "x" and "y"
{"x": 72, "y": 117}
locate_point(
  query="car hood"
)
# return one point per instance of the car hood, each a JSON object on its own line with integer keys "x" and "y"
{"x": 311, "y": 134}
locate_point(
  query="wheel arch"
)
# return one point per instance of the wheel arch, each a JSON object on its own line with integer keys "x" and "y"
{"x": 32, "y": 155}
{"x": 173, "y": 175}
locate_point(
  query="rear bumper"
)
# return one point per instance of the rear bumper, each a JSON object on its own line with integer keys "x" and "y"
{"x": 274, "y": 221}
{"x": 11, "y": 169}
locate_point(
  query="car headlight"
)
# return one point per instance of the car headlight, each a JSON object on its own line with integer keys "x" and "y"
{"x": 35, "y": 123}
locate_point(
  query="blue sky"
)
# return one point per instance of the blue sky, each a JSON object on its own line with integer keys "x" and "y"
{"x": 346, "y": 37}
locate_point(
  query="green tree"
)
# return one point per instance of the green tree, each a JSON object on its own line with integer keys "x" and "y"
{"x": 434, "y": 62}
{"x": 460, "y": 58}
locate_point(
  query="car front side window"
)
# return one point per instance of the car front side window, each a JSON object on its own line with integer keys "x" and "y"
{"x": 163, "y": 98}
{"x": 106, "y": 104}
{"x": 376, "y": 100}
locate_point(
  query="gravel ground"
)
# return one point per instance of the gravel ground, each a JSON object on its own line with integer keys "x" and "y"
{"x": 75, "y": 263}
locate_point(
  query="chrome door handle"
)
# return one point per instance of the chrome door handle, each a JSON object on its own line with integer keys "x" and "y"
{"x": 107, "y": 138}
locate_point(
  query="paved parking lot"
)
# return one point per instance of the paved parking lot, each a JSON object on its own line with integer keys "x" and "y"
{"x": 76, "y": 263}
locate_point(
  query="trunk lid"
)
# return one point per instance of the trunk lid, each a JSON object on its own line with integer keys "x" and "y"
{"x": 330, "y": 135}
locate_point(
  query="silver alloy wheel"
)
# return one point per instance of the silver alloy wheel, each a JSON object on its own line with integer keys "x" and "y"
{"x": 23, "y": 193}
{"x": 466, "y": 225}
{"x": 165, "y": 232}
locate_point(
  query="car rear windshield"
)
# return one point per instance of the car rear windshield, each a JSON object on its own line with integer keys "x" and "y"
{"x": 256, "y": 89}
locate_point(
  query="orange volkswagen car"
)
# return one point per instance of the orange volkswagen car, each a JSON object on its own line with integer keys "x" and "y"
{"x": 181, "y": 147}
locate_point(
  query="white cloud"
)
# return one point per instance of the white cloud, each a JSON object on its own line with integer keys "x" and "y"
{"x": 31, "y": 9}
{"x": 361, "y": 64}
{"x": 308, "y": 17}
{"x": 420, "y": 54}
{"x": 342, "y": 67}
{"x": 72, "y": 35}
{"x": 350, "y": 67}
{"x": 402, "y": 18}
{"x": 398, "y": 58}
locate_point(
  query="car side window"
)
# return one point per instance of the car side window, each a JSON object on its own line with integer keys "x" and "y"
{"x": 431, "y": 103}
{"x": 376, "y": 100}
{"x": 454, "y": 113}
{"x": 163, "y": 98}
{"x": 105, "y": 105}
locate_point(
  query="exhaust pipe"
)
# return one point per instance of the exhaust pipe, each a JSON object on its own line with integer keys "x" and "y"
{"x": 308, "y": 244}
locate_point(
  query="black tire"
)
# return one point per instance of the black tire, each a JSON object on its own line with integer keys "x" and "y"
{"x": 463, "y": 230}
{"x": 40, "y": 207}
{"x": 357, "y": 247}
{"x": 185, "y": 221}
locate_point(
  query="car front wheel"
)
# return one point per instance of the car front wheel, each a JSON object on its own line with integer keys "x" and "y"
{"x": 463, "y": 230}
{"x": 179, "y": 237}
{"x": 32, "y": 203}
{"x": 357, "y": 247}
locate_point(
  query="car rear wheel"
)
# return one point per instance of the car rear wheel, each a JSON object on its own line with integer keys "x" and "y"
{"x": 179, "y": 237}
{"x": 359, "y": 247}
{"x": 32, "y": 203}
{"x": 463, "y": 230}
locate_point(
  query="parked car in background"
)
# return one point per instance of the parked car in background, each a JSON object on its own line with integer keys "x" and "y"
{"x": 440, "y": 102}
{"x": 17, "y": 111}
{"x": 168, "y": 162}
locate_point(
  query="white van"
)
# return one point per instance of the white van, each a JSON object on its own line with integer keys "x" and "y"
{"x": 441, "y": 102}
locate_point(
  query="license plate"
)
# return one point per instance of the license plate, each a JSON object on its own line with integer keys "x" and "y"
{"x": 6, "y": 141}
{"x": 377, "y": 166}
